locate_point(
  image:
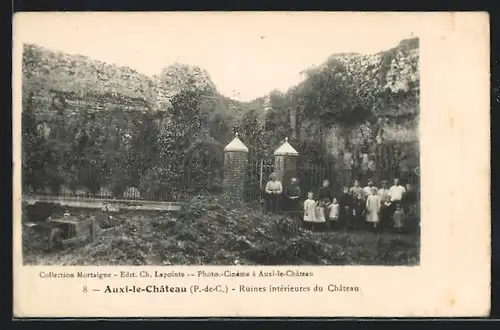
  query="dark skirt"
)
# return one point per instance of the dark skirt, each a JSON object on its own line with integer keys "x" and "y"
{"x": 386, "y": 215}
{"x": 291, "y": 204}
{"x": 359, "y": 216}
{"x": 292, "y": 208}
{"x": 272, "y": 202}
{"x": 345, "y": 216}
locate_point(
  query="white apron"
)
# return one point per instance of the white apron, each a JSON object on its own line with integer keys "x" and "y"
{"x": 373, "y": 208}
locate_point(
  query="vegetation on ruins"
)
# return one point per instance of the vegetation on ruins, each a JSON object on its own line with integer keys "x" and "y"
{"x": 87, "y": 124}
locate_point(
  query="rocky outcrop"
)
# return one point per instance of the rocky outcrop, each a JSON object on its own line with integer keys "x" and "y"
{"x": 389, "y": 85}
{"x": 178, "y": 77}
{"x": 84, "y": 84}
{"x": 387, "y": 81}
{"x": 81, "y": 81}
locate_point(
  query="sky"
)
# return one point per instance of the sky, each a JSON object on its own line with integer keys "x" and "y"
{"x": 246, "y": 54}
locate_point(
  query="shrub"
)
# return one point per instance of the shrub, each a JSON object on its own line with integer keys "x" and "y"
{"x": 41, "y": 211}
{"x": 158, "y": 183}
{"x": 193, "y": 208}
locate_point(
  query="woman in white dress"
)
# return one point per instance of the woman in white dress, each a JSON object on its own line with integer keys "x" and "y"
{"x": 373, "y": 204}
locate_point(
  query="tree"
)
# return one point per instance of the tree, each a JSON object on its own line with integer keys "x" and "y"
{"x": 186, "y": 116}
{"x": 144, "y": 146}
{"x": 252, "y": 135}
{"x": 184, "y": 125}
{"x": 332, "y": 96}
{"x": 277, "y": 120}
{"x": 329, "y": 96}
{"x": 32, "y": 149}
{"x": 219, "y": 129}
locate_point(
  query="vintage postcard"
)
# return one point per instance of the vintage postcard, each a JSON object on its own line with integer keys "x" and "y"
{"x": 234, "y": 164}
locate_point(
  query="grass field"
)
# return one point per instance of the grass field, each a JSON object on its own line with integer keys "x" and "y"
{"x": 209, "y": 232}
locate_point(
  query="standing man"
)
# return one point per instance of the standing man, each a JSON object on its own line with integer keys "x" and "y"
{"x": 410, "y": 200}
{"x": 348, "y": 160}
{"x": 356, "y": 189}
{"x": 273, "y": 190}
{"x": 346, "y": 203}
{"x": 396, "y": 193}
{"x": 291, "y": 201}
{"x": 324, "y": 194}
{"x": 383, "y": 192}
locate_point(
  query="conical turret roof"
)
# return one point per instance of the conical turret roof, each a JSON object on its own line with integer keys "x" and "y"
{"x": 236, "y": 145}
{"x": 286, "y": 149}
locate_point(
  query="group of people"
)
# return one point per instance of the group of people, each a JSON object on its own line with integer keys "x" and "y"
{"x": 356, "y": 207}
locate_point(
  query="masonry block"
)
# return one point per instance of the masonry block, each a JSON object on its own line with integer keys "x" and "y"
{"x": 235, "y": 164}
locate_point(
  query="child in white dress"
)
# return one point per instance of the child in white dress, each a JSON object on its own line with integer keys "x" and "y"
{"x": 334, "y": 212}
{"x": 373, "y": 204}
{"x": 309, "y": 210}
{"x": 398, "y": 218}
{"x": 320, "y": 221}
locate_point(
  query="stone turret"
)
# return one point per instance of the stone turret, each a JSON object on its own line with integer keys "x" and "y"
{"x": 285, "y": 162}
{"x": 235, "y": 163}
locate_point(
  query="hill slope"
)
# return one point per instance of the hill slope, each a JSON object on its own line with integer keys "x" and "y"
{"x": 91, "y": 85}
{"x": 388, "y": 83}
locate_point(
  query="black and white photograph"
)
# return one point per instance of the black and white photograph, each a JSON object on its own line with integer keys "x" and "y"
{"x": 170, "y": 143}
